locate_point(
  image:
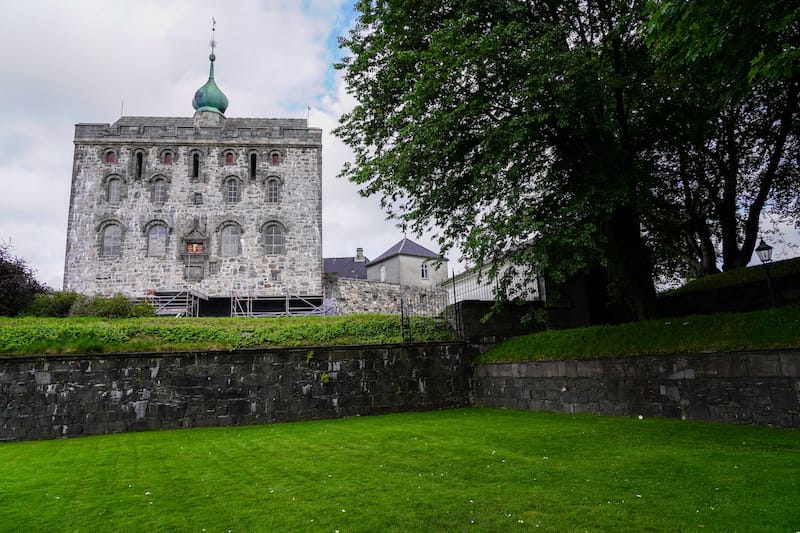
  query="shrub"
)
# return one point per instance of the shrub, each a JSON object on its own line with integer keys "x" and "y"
{"x": 117, "y": 306}
{"x": 18, "y": 285}
{"x": 55, "y": 304}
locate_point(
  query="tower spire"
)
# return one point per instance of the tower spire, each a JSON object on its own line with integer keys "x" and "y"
{"x": 209, "y": 97}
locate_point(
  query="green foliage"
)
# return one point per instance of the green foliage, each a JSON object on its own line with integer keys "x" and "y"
{"x": 551, "y": 137}
{"x": 455, "y": 470}
{"x": 758, "y": 330}
{"x": 117, "y": 306}
{"x": 18, "y": 284}
{"x": 56, "y": 304}
{"x": 503, "y": 121}
{"x": 86, "y": 334}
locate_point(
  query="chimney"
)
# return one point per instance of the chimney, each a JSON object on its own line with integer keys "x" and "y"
{"x": 359, "y": 255}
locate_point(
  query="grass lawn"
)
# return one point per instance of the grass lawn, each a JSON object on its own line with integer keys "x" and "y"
{"x": 29, "y": 335}
{"x": 471, "y": 469}
{"x": 756, "y": 330}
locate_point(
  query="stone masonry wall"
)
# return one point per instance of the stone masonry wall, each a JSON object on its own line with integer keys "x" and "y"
{"x": 747, "y": 387}
{"x": 351, "y": 296}
{"x": 198, "y": 208}
{"x": 65, "y": 396}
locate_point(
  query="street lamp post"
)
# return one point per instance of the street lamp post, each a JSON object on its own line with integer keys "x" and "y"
{"x": 764, "y": 252}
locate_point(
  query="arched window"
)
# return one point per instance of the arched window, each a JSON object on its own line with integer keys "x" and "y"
{"x": 232, "y": 193}
{"x": 423, "y": 270}
{"x": 276, "y": 158}
{"x": 114, "y": 191}
{"x": 230, "y": 241}
{"x": 110, "y": 156}
{"x": 139, "y": 165}
{"x": 253, "y": 161}
{"x": 229, "y": 158}
{"x": 274, "y": 239}
{"x": 111, "y": 245}
{"x": 167, "y": 158}
{"x": 159, "y": 193}
{"x": 157, "y": 241}
{"x": 383, "y": 272}
{"x": 273, "y": 191}
{"x": 195, "y": 168}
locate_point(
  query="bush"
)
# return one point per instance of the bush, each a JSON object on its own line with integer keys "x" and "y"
{"x": 117, "y": 306}
{"x": 55, "y": 304}
{"x": 18, "y": 285}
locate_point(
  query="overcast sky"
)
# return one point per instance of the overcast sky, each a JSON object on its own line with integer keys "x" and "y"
{"x": 66, "y": 62}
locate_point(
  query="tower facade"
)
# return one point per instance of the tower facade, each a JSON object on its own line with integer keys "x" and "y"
{"x": 210, "y": 204}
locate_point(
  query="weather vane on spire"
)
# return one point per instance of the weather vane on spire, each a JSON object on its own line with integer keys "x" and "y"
{"x": 213, "y": 42}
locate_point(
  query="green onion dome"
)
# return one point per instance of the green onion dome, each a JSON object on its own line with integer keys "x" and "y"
{"x": 209, "y": 97}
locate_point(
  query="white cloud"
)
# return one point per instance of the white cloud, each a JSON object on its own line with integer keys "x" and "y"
{"x": 70, "y": 62}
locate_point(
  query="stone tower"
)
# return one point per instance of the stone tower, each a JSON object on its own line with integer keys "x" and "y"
{"x": 213, "y": 206}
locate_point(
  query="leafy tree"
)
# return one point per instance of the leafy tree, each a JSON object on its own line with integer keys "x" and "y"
{"x": 18, "y": 284}
{"x": 518, "y": 128}
{"x": 735, "y": 68}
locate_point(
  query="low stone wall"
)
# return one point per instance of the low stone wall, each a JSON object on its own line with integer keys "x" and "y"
{"x": 65, "y": 396}
{"x": 745, "y": 387}
{"x": 351, "y": 296}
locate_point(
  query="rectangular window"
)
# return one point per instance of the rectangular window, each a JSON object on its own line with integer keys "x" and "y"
{"x": 198, "y": 198}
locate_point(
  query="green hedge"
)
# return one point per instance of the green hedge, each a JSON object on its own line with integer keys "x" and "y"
{"x": 95, "y": 335}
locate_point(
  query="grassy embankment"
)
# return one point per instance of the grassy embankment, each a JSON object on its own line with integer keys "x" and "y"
{"x": 97, "y": 335}
{"x": 757, "y": 330}
{"x": 460, "y": 470}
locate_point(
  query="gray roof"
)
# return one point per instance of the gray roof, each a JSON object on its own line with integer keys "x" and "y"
{"x": 345, "y": 267}
{"x": 405, "y": 247}
{"x": 239, "y": 122}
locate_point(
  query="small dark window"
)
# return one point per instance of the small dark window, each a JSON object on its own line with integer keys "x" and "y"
{"x": 198, "y": 198}
{"x": 196, "y": 165}
{"x": 252, "y": 166}
{"x": 167, "y": 158}
{"x": 275, "y": 275}
{"x": 229, "y": 158}
{"x": 424, "y": 271}
{"x": 139, "y": 164}
{"x": 111, "y": 157}
{"x": 276, "y": 159}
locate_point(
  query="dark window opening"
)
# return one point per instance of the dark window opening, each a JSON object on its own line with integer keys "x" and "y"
{"x": 111, "y": 157}
{"x": 139, "y": 164}
{"x": 196, "y": 165}
{"x": 229, "y": 158}
{"x": 252, "y": 166}
{"x": 276, "y": 159}
{"x": 168, "y": 158}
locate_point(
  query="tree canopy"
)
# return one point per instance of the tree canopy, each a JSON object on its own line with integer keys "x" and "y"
{"x": 18, "y": 284}
{"x": 550, "y": 135}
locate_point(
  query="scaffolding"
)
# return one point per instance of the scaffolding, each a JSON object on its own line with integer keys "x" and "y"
{"x": 184, "y": 302}
{"x": 249, "y": 304}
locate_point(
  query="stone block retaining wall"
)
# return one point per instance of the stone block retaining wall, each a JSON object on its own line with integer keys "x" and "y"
{"x": 65, "y": 396}
{"x": 742, "y": 387}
